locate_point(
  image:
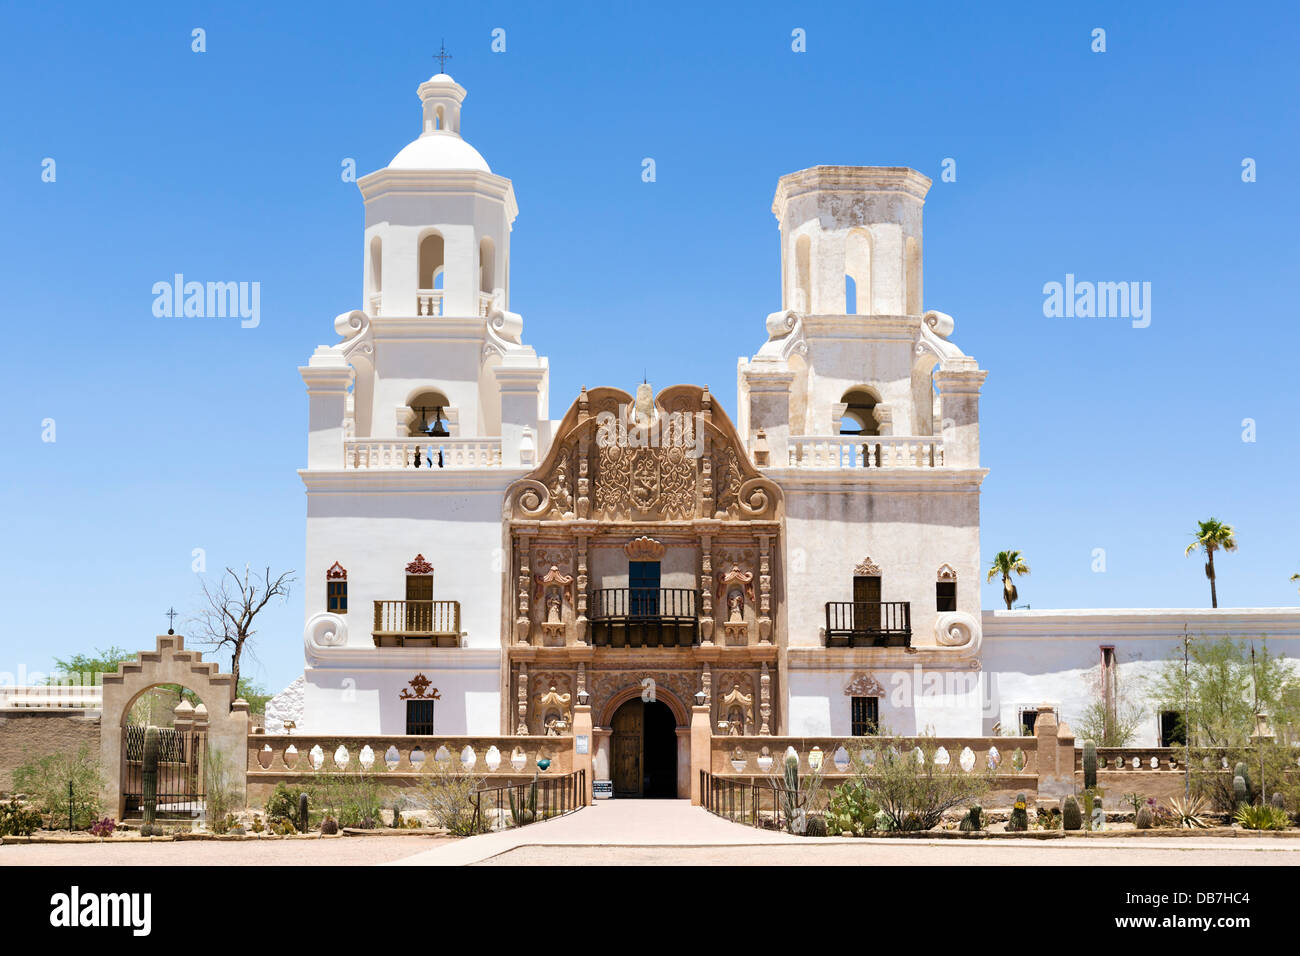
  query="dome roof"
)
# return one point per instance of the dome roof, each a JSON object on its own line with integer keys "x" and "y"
{"x": 440, "y": 150}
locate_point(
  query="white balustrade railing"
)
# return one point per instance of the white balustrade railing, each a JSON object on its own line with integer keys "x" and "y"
{"x": 865, "y": 451}
{"x": 46, "y": 697}
{"x": 428, "y": 302}
{"x": 396, "y": 454}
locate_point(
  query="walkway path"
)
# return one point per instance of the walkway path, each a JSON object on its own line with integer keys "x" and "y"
{"x": 668, "y": 832}
{"x": 608, "y": 823}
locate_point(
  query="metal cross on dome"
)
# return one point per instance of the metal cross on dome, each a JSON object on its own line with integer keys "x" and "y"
{"x": 442, "y": 56}
{"x": 171, "y": 619}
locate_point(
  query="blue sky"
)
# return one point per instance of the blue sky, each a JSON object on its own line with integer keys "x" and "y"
{"x": 1118, "y": 166}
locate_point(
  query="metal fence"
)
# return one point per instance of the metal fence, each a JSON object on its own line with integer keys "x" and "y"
{"x": 517, "y": 805}
{"x": 756, "y": 803}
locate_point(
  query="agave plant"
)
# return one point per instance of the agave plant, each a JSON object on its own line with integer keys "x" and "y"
{"x": 1189, "y": 812}
{"x": 1263, "y": 817}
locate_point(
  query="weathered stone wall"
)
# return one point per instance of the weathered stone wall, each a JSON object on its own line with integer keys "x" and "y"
{"x": 29, "y": 733}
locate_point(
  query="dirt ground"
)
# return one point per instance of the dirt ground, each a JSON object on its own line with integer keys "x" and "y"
{"x": 345, "y": 851}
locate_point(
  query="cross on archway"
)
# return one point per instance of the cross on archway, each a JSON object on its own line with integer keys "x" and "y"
{"x": 171, "y": 620}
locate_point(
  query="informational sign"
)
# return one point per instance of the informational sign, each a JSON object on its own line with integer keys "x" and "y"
{"x": 602, "y": 789}
{"x": 583, "y": 743}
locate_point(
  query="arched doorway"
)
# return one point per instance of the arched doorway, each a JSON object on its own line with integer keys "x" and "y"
{"x": 644, "y": 749}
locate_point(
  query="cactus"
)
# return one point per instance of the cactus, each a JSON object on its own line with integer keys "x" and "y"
{"x": 528, "y": 812}
{"x": 816, "y": 826}
{"x": 329, "y": 826}
{"x": 973, "y": 820}
{"x": 302, "y": 812}
{"x": 1277, "y": 800}
{"x": 1243, "y": 771}
{"x": 1071, "y": 815}
{"x": 1089, "y": 765}
{"x": 1019, "y": 821}
{"x": 1240, "y": 790}
{"x": 795, "y": 821}
{"x": 397, "y": 814}
{"x": 149, "y": 779}
{"x": 1144, "y": 820}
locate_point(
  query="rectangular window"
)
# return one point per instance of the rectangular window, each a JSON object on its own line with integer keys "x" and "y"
{"x": 865, "y": 716}
{"x": 336, "y": 593}
{"x": 945, "y": 596}
{"x": 1173, "y": 733}
{"x": 1027, "y": 720}
{"x": 643, "y": 579}
{"x": 419, "y": 717}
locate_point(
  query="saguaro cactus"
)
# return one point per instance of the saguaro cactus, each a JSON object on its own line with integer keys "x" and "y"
{"x": 1240, "y": 790}
{"x": 1089, "y": 765}
{"x": 1243, "y": 771}
{"x": 302, "y": 812}
{"x": 149, "y": 778}
{"x": 791, "y": 804}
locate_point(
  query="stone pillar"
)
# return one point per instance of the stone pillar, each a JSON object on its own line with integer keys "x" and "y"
{"x": 959, "y": 395}
{"x": 327, "y": 377}
{"x": 706, "y": 590}
{"x": 583, "y": 761}
{"x": 1055, "y": 762}
{"x": 769, "y": 409}
{"x": 521, "y": 388}
{"x": 701, "y": 748}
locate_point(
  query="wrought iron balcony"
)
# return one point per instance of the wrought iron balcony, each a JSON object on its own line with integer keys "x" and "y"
{"x": 868, "y": 624}
{"x": 644, "y": 617}
{"x": 417, "y": 624}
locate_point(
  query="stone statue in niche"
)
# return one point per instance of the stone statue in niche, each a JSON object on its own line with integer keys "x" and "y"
{"x": 736, "y": 608}
{"x": 739, "y": 708}
{"x": 556, "y": 716}
{"x": 738, "y": 587}
{"x": 553, "y": 588}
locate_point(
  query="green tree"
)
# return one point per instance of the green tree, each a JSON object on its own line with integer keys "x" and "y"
{"x": 255, "y": 694}
{"x": 1219, "y": 696}
{"x": 1210, "y": 536}
{"x": 1005, "y": 564}
{"x": 90, "y": 668}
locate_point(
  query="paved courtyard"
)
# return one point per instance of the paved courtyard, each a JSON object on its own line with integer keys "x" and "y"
{"x": 666, "y": 832}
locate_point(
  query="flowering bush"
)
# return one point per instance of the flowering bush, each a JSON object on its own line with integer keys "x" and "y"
{"x": 103, "y": 828}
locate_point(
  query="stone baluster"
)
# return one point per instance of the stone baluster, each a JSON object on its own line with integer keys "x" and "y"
{"x": 764, "y": 589}
{"x": 521, "y": 728}
{"x": 706, "y": 589}
{"x": 765, "y": 701}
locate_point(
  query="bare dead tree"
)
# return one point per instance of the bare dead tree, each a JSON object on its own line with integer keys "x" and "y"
{"x": 232, "y": 604}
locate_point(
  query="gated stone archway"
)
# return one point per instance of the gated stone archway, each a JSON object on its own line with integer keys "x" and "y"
{"x": 169, "y": 664}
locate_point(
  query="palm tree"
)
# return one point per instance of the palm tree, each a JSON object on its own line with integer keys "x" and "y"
{"x": 1294, "y": 578}
{"x": 1211, "y": 536}
{"x": 1007, "y": 563}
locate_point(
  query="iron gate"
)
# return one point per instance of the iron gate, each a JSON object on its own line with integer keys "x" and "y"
{"x": 180, "y": 772}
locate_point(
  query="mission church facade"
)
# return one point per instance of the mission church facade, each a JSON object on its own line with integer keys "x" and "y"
{"x": 474, "y": 566}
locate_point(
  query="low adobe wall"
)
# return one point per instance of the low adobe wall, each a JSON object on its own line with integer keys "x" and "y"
{"x": 27, "y": 734}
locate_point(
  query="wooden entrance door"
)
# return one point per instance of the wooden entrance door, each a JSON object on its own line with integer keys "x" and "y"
{"x": 628, "y": 747}
{"x": 866, "y": 603}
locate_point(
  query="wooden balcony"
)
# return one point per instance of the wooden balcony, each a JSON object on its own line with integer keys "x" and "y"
{"x": 417, "y": 624}
{"x": 644, "y": 617}
{"x": 868, "y": 624}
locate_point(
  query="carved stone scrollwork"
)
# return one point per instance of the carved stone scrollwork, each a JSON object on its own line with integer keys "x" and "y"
{"x": 867, "y": 568}
{"x": 765, "y": 701}
{"x": 863, "y": 685}
{"x": 957, "y": 629}
{"x": 532, "y": 498}
{"x": 946, "y": 572}
{"x": 556, "y": 717}
{"x": 521, "y": 728}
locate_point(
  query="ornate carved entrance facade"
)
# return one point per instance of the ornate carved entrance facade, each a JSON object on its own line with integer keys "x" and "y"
{"x": 643, "y": 555}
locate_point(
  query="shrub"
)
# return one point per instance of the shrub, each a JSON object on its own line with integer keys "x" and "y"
{"x": 447, "y": 794}
{"x": 283, "y": 803}
{"x": 104, "y": 827}
{"x": 351, "y": 797}
{"x": 283, "y": 828}
{"x": 1048, "y": 818}
{"x": 913, "y": 793}
{"x": 45, "y": 782}
{"x": 17, "y": 819}
{"x": 222, "y": 792}
{"x": 851, "y": 810}
{"x": 1263, "y": 817}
